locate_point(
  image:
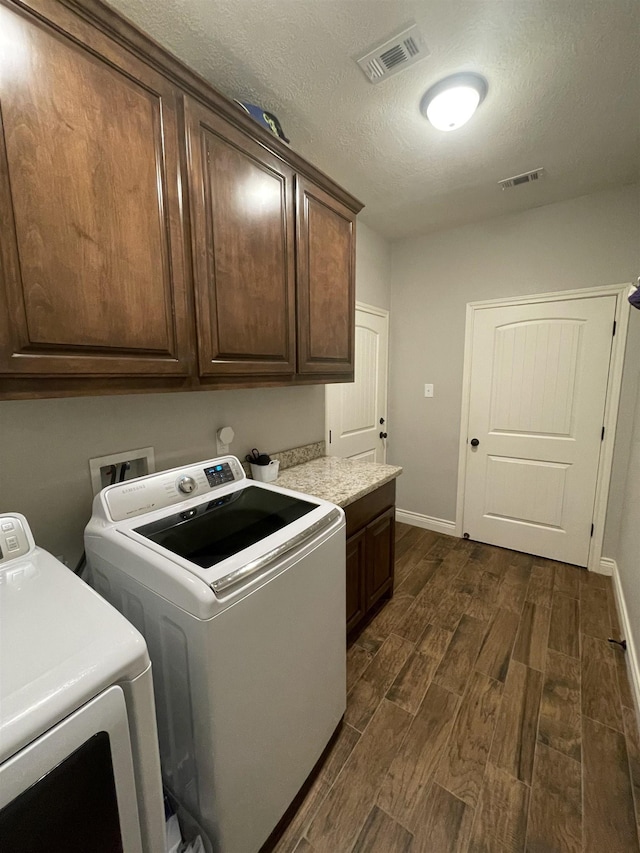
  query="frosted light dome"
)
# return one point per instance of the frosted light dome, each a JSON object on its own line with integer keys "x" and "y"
{"x": 451, "y": 102}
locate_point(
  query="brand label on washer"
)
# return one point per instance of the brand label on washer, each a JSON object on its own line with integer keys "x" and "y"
{"x": 136, "y": 499}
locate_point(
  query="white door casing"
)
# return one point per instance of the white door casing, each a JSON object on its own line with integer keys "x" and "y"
{"x": 540, "y": 384}
{"x": 353, "y": 409}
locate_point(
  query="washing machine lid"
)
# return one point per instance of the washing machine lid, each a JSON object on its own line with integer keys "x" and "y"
{"x": 61, "y": 644}
{"x": 214, "y": 531}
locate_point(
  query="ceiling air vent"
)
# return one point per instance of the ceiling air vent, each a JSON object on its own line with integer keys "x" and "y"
{"x": 394, "y": 55}
{"x": 524, "y": 178}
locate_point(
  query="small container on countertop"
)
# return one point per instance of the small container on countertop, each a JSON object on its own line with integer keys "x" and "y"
{"x": 265, "y": 473}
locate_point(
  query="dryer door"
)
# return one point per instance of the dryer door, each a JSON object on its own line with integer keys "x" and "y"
{"x": 72, "y": 790}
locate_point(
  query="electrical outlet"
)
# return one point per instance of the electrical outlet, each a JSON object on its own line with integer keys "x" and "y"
{"x": 117, "y": 467}
{"x": 428, "y": 390}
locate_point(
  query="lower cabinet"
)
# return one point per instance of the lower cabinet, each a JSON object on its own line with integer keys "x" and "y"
{"x": 370, "y": 553}
{"x": 356, "y": 580}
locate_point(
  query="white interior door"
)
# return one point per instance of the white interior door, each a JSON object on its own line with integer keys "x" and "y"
{"x": 536, "y": 407}
{"x": 354, "y": 409}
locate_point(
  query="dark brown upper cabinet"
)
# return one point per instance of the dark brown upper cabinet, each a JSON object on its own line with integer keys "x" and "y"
{"x": 243, "y": 235}
{"x": 153, "y": 237}
{"x": 326, "y": 282}
{"x": 91, "y": 244}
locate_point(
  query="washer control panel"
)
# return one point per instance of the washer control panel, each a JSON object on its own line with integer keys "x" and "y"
{"x": 14, "y": 541}
{"x": 166, "y": 488}
{"x": 218, "y": 474}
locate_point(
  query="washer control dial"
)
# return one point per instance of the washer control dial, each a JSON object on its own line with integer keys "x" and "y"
{"x": 187, "y": 485}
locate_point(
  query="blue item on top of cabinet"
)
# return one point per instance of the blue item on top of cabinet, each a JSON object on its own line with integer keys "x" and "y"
{"x": 266, "y": 119}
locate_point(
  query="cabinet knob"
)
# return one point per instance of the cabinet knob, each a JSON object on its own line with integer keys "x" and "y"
{"x": 383, "y": 435}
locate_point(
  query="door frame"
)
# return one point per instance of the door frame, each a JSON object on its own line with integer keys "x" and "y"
{"x": 378, "y": 312}
{"x": 610, "y": 417}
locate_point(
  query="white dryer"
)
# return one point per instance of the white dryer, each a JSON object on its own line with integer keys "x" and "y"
{"x": 79, "y": 762}
{"x": 239, "y": 589}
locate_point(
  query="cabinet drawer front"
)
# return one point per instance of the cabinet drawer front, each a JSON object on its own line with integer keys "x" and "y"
{"x": 243, "y": 234}
{"x": 326, "y": 282}
{"x": 93, "y": 255}
{"x": 365, "y": 509}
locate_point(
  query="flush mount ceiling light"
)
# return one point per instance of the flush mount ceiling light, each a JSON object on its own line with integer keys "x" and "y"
{"x": 451, "y": 102}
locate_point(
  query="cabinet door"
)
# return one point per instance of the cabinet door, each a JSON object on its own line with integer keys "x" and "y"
{"x": 91, "y": 244}
{"x": 326, "y": 282}
{"x": 380, "y": 535}
{"x": 356, "y": 584}
{"x": 243, "y": 248}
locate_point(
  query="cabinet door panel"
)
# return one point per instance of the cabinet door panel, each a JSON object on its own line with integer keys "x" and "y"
{"x": 92, "y": 252}
{"x": 380, "y": 555}
{"x": 326, "y": 282}
{"x": 356, "y": 569}
{"x": 243, "y": 233}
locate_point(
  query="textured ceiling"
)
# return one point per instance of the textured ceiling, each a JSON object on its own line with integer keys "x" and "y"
{"x": 564, "y": 93}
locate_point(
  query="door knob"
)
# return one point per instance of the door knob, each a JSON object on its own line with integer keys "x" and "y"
{"x": 383, "y": 435}
{"x": 474, "y": 442}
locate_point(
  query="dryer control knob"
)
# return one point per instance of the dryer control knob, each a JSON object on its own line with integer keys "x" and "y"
{"x": 186, "y": 485}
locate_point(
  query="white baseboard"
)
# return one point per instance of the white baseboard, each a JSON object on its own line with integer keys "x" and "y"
{"x": 631, "y": 655}
{"x": 438, "y": 525}
{"x": 606, "y": 567}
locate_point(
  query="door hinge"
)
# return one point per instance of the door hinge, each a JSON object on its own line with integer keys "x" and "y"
{"x": 615, "y": 323}
{"x": 329, "y": 436}
{"x": 592, "y": 529}
{"x": 602, "y": 435}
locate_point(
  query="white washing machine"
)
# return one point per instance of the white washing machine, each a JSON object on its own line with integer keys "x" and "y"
{"x": 239, "y": 589}
{"x": 79, "y": 761}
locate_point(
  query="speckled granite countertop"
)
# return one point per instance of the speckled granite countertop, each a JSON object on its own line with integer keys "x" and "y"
{"x": 341, "y": 481}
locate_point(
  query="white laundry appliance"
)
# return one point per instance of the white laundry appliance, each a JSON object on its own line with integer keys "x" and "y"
{"x": 239, "y": 589}
{"x": 79, "y": 761}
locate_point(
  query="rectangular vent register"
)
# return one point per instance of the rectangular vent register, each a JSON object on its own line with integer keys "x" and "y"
{"x": 524, "y": 178}
{"x": 394, "y": 55}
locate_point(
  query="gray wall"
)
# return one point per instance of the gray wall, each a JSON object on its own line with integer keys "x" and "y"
{"x": 625, "y": 544}
{"x": 626, "y": 429}
{"x": 373, "y": 267}
{"x": 46, "y": 444}
{"x": 588, "y": 241}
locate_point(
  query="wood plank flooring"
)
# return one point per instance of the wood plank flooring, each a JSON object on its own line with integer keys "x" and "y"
{"x": 486, "y": 714}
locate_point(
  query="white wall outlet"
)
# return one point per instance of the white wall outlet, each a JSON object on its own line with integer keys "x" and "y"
{"x": 116, "y": 467}
{"x": 428, "y": 390}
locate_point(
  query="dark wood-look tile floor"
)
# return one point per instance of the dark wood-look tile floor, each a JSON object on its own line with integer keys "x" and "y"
{"x": 486, "y": 714}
